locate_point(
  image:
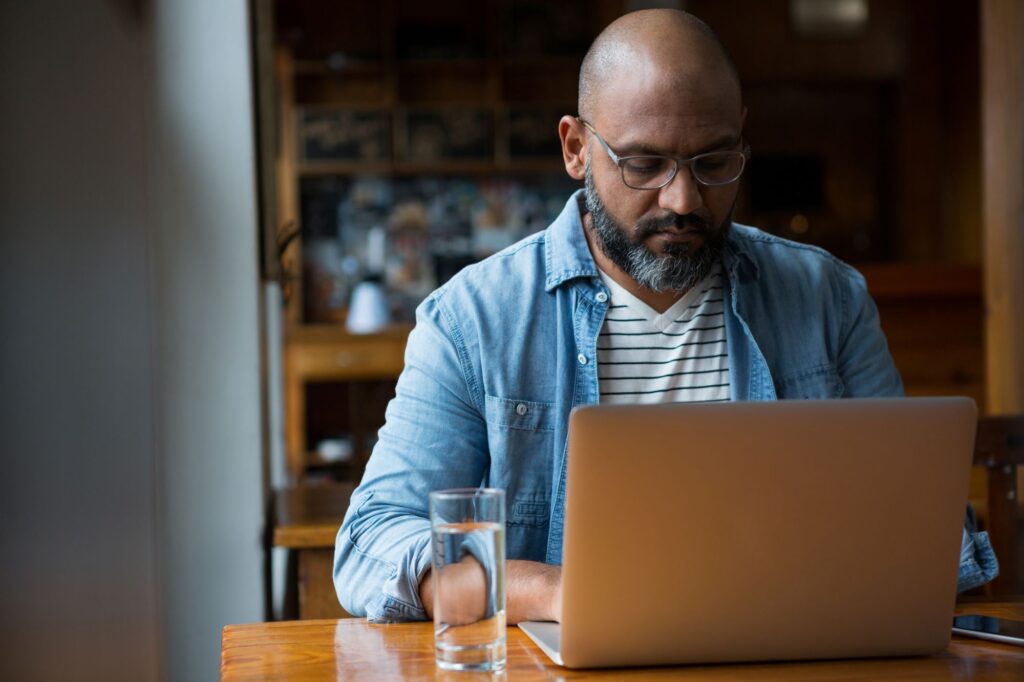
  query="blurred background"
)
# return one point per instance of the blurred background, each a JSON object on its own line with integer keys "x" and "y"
{"x": 218, "y": 217}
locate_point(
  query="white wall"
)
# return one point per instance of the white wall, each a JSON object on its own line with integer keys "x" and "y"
{"x": 206, "y": 334}
{"x": 130, "y": 480}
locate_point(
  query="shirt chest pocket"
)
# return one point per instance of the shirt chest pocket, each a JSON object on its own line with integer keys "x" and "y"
{"x": 520, "y": 435}
{"x": 816, "y": 383}
{"x": 520, "y": 415}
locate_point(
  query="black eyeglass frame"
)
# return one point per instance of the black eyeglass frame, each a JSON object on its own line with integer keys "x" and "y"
{"x": 677, "y": 160}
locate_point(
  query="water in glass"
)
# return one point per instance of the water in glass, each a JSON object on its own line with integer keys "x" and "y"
{"x": 469, "y": 595}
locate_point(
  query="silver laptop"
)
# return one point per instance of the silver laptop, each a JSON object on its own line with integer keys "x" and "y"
{"x": 761, "y": 531}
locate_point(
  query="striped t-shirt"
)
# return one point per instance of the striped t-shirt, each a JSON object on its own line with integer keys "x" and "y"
{"x": 676, "y": 356}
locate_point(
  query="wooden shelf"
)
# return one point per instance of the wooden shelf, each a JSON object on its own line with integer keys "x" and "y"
{"x": 404, "y": 169}
{"x": 310, "y": 67}
{"x": 444, "y": 66}
{"x": 336, "y": 333}
{"x": 317, "y": 353}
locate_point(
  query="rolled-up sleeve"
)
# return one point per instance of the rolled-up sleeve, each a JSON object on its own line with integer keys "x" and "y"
{"x": 434, "y": 437}
{"x": 978, "y": 563}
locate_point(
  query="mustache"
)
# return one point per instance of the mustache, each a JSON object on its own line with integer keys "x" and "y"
{"x": 649, "y": 226}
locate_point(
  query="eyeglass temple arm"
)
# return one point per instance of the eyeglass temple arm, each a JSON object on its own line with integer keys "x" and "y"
{"x": 613, "y": 155}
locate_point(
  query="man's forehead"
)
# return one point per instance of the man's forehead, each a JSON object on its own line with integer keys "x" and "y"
{"x": 691, "y": 116}
{"x": 665, "y": 140}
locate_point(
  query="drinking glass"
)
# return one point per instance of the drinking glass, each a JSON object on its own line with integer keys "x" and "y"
{"x": 468, "y": 552}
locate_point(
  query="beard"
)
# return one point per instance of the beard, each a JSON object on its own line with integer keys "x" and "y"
{"x": 679, "y": 268}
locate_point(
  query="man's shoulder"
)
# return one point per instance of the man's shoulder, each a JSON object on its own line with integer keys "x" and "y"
{"x": 769, "y": 247}
{"x": 508, "y": 274}
{"x": 784, "y": 258}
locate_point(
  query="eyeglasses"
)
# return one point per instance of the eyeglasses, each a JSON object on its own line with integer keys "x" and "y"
{"x": 654, "y": 172}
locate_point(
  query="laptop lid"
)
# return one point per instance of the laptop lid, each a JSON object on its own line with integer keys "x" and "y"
{"x": 763, "y": 531}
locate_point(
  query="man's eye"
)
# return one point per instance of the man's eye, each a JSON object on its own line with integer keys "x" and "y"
{"x": 713, "y": 163}
{"x": 644, "y": 165}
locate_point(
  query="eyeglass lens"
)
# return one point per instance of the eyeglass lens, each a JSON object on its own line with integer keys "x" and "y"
{"x": 649, "y": 172}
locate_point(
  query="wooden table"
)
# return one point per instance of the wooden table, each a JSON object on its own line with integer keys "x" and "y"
{"x": 306, "y": 520}
{"x": 353, "y": 649}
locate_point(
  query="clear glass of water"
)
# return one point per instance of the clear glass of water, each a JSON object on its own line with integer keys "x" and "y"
{"x": 468, "y": 548}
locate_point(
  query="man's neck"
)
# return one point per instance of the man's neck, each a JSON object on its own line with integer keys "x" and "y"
{"x": 658, "y": 300}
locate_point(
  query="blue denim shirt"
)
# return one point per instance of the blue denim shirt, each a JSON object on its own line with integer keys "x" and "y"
{"x": 502, "y": 353}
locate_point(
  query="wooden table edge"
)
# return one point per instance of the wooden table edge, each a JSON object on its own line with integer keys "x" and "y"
{"x": 308, "y": 536}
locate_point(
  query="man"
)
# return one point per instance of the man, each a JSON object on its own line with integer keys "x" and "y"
{"x": 641, "y": 290}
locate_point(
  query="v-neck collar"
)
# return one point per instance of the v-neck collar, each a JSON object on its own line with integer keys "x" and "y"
{"x": 660, "y": 321}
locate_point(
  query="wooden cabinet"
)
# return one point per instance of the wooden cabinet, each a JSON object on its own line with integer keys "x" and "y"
{"x": 933, "y": 319}
{"x": 327, "y": 353}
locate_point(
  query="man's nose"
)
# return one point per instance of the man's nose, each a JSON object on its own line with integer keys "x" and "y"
{"x": 682, "y": 195}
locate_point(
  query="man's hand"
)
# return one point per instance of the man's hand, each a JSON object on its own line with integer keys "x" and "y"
{"x": 533, "y": 591}
{"x": 467, "y": 580}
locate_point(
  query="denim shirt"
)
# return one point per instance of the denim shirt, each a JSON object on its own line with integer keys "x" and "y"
{"x": 501, "y": 354}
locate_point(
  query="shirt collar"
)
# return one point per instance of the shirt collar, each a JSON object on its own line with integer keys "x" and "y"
{"x": 736, "y": 258}
{"x": 567, "y": 255}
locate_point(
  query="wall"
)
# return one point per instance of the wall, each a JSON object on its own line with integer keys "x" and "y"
{"x": 205, "y": 330}
{"x": 915, "y": 69}
{"x": 131, "y": 483}
{"x": 76, "y": 422}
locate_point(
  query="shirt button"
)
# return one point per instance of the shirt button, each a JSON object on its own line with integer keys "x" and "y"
{"x": 582, "y": 358}
{"x": 521, "y": 409}
{"x": 601, "y": 297}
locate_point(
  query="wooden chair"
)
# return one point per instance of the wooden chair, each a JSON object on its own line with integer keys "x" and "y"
{"x": 999, "y": 448}
{"x": 304, "y": 519}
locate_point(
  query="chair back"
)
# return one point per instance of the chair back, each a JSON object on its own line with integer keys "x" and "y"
{"x": 999, "y": 448}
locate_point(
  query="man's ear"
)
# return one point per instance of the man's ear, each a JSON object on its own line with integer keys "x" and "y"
{"x": 574, "y": 147}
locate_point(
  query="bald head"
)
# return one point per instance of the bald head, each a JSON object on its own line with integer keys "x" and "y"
{"x": 680, "y": 48}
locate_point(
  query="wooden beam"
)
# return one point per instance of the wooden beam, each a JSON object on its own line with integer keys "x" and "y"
{"x": 287, "y": 196}
{"x": 1002, "y": 64}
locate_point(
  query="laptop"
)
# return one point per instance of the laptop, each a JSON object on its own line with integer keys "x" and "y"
{"x": 761, "y": 531}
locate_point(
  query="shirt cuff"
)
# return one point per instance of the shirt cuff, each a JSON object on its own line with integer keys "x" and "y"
{"x": 400, "y": 596}
{"x": 978, "y": 563}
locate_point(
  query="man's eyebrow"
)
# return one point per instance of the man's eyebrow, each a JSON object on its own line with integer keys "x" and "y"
{"x": 642, "y": 149}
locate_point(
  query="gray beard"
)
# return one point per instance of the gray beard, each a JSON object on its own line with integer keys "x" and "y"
{"x": 676, "y": 270}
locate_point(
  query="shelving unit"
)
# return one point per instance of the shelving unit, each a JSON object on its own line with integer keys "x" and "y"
{"x": 412, "y": 79}
{"x": 501, "y": 58}
{"x": 327, "y": 353}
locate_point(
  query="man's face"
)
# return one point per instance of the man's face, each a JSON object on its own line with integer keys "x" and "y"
{"x": 682, "y": 261}
{"x": 666, "y": 239}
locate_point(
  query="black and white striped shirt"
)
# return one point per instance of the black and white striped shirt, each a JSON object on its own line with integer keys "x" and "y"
{"x": 676, "y": 356}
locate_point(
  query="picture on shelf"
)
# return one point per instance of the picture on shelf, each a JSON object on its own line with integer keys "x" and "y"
{"x": 344, "y": 134}
{"x": 447, "y": 134}
{"x": 415, "y": 231}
